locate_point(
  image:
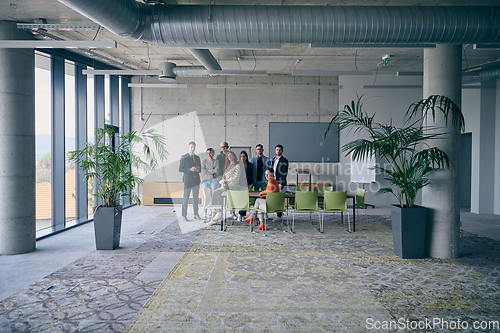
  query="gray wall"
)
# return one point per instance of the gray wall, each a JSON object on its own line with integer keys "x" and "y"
{"x": 387, "y": 104}
{"x": 239, "y": 116}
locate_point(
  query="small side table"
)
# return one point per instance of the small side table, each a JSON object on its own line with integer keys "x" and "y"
{"x": 304, "y": 172}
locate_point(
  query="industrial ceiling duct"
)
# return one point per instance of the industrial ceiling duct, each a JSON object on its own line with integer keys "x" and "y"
{"x": 329, "y": 25}
{"x": 166, "y": 72}
{"x": 482, "y": 75}
{"x": 169, "y": 71}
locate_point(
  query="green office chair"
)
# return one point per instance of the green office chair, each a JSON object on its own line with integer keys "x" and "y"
{"x": 275, "y": 203}
{"x": 305, "y": 202}
{"x": 336, "y": 202}
{"x": 252, "y": 200}
{"x": 360, "y": 200}
{"x": 302, "y": 188}
{"x": 236, "y": 200}
{"x": 322, "y": 188}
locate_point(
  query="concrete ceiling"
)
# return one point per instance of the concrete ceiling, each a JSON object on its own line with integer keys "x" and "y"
{"x": 141, "y": 55}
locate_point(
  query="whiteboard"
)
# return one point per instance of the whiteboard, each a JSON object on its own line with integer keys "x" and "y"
{"x": 302, "y": 141}
{"x": 361, "y": 171}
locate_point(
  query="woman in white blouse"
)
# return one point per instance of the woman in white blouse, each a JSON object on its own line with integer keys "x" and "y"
{"x": 232, "y": 179}
{"x": 209, "y": 168}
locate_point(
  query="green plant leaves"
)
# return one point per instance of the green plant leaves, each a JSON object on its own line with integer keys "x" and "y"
{"x": 406, "y": 149}
{"x": 111, "y": 168}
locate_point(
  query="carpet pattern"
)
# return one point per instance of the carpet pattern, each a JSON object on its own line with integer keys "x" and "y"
{"x": 310, "y": 282}
{"x": 237, "y": 281}
{"x": 101, "y": 291}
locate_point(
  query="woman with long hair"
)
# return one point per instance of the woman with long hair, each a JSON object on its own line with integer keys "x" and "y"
{"x": 231, "y": 180}
{"x": 248, "y": 167}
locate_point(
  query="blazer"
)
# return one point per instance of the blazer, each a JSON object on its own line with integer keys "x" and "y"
{"x": 221, "y": 159}
{"x": 281, "y": 170}
{"x": 249, "y": 173}
{"x": 267, "y": 165}
{"x": 190, "y": 178}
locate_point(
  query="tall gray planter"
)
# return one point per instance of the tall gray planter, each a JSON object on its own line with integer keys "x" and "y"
{"x": 408, "y": 231}
{"x": 107, "y": 227}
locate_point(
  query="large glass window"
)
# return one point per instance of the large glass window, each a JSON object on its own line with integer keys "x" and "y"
{"x": 90, "y": 135}
{"x": 74, "y": 204}
{"x": 107, "y": 100}
{"x": 69, "y": 139}
{"x": 43, "y": 142}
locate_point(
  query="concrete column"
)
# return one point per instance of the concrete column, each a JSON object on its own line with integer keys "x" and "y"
{"x": 486, "y": 148}
{"x": 17, "y": 145}
{"x": 496, "y": 203}
{"x": 443, "y": 76}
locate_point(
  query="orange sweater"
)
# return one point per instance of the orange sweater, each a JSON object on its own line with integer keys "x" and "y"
{"x": 272, "y": 186}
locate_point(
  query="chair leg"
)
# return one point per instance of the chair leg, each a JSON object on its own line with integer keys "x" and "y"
{"x": 320, "y": 224}
{"x": 293, "y": 222}
{"x": 322, "y": 220}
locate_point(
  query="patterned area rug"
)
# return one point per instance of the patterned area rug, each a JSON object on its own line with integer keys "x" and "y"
{"x": 101, "y": 291}
{"x": 237, "y": 281}
{"x": 310, "y": 282}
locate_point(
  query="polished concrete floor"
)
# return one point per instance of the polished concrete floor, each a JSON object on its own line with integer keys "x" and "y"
{"x": 176, "y": 276}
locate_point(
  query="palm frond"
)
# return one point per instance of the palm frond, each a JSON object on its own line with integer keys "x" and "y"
{"x": 430, "y": 105}
{"x": 407, "y": 149}
{"x": 111, "y": 167}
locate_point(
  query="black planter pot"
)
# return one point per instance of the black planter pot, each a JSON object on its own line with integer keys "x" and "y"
{"x": 107, "y": 227}
{"x": 408, "y": 231}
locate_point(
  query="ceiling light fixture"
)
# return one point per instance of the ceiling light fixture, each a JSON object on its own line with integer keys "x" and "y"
{"x": 417, "y": 87}
{"x": 120, "y": 72}
{"x": 47, "y": 26}
{"x": 227, "y": 46}
{"x": 410, "y": 73}
{"x": 372, "y": 46}
{"x": 56, "y": 44}
{"x": 227, "y": 72}
{"x": 422, "y": 74}
{"x": 396, "y": 86}
{"x": 156, "y": 85}
{"x": 312, "y": 86}
{"x": 236, "y": 86}
{"x": 486, "y": 47}
{"x": 329, "y": 73}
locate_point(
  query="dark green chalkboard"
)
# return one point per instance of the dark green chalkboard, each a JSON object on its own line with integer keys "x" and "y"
{"x": 301, "y": 142}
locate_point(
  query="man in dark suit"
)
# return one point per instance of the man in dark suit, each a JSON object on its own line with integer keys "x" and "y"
{"x": 221, "y": 159}
{"x": 280, "y": 167}
{"x": 190, "y": 165}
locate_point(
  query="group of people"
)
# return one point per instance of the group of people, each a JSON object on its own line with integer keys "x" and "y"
{"x": 228, "y": 172}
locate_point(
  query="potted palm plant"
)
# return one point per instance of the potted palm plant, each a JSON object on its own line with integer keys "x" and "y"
{"x": 410, "y": 159}
{"x": 110, "y": 167}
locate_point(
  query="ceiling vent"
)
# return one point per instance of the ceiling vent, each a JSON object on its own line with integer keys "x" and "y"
{"x": 167, "y": 72}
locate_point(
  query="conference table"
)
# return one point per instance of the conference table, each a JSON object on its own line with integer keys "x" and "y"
{"x": 288, "y": 195}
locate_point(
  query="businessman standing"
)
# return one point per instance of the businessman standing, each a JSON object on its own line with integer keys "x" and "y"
{"x": 280, "y": 167}
{"x": 260, "y": 164}
{"x": 190, "y": 165}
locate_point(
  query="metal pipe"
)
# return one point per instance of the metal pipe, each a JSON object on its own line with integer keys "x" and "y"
{"x": 295, "y": 24}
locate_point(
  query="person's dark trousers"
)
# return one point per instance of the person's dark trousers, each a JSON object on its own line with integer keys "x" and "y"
{"x": 283, "y": 184}
{"x": 185, "y": 199}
